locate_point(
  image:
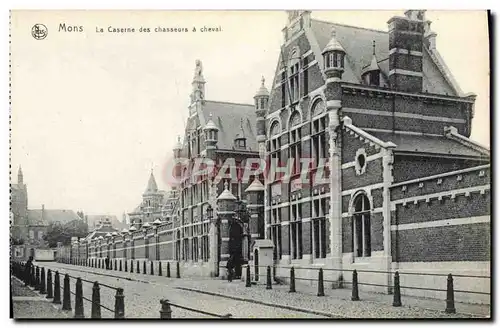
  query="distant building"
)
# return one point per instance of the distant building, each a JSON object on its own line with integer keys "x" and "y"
{"x": 95, "y": 220}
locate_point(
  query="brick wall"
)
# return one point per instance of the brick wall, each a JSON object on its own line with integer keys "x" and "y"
{"x": 351, "y": 144}
{"x": 413, "y": 167}
{"x": 372, "y": 175}
{"x": 469, "y": 242}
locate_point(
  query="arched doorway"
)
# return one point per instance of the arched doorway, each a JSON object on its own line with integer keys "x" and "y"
{"x": 236, "y": 246}
{"x": 361, "y": 226}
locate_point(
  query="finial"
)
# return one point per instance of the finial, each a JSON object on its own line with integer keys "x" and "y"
{"x": 374, "y": 47}
{"x": 151, "y": 167}
{"x": 210, "y": 115}
{"x": 263, "y": 80}
{"x": 334, "y": 32}
{"x": 178, "y": 138}
{"x": 226, "y": 185}
{"x": 241, "y": 123}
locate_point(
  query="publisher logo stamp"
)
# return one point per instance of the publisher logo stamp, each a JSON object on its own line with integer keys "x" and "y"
{"x": 39, "y": 31}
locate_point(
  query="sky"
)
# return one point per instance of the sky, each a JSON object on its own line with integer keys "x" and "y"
{"x": 93, "y": 113}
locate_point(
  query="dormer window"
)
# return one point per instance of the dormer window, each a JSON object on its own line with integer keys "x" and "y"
{"x": 240, "y": 143}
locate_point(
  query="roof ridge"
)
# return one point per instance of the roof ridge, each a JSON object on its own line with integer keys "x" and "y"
{"x": 351, "y": 26}
{"x": 228, "y": 102}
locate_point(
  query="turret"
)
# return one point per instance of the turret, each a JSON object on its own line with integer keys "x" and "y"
{"x": 198, "y": 84}
{"x": 261, "y": 106}
{"x": 211, "y": 137}
{"x": 240, "y": 141}
{"x": 333, "y": 58}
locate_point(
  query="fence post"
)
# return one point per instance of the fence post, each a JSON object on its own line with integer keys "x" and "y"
{"x": 37, "y": 278}
{"x": 168, "y": 269}
{"x": 321, "y": 285}
{"x": 247, "y": 278}
{"x": 66, "y": 294}
{"x": 110, "y": 265}
{"x": 292, "y": 280}
{"x": 138, "y": 267}
{"x": 159, "y": 269}
{"x": 397, "y": 291}
{"x": 121, "y": 264}
{"x": 96, "y": 301}
{"x": 178, "y": 270}
{"x": 116, "y": 266}
{"x": 450, "y": 298}
{"x": 79, "y": 299}
{"x": 166, "y": 311}
{"x": 269, "y": 284}
{"x": 144, "y": 267}
{"x": 126, "y": 264}
{"x": 355, "y": 291}
{"x": 42, "y": 281}
{"x": 57, "y": 289}
{"x": 49, "y": 284}
{"x": 119, "y": 304}
{"x": 152, "y": 268}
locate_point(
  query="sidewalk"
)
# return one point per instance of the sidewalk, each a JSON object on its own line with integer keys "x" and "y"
{"x": 337, "y": 302}
{"x": 29, "y": 304}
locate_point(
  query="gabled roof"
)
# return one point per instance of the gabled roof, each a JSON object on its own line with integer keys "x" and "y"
{"x": 93, "y": 220}
{"x": 62, "y": 216}
{"x": 228, "y": 117}
{"x": 435, "y": 145}
{"x": 357, "y": 43}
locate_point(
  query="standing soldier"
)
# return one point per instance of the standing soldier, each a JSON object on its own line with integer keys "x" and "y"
{"x": 27, "y": 270}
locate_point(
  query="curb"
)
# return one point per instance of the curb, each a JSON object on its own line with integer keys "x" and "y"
{"x": 287, "y": 307}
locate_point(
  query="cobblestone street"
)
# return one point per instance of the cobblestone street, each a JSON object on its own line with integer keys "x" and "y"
{"x": 144, "y": 292}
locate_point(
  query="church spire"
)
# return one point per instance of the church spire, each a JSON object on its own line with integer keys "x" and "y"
{"x": 20, "y": 176}
{"x": 152, "y": 186}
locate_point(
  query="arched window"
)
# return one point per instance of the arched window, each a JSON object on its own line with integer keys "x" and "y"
{"x": 361, "y": 226}
{"x": 274, "y": 144}
{"x": 319, "y": 122}
{"x": 293, "y": 75}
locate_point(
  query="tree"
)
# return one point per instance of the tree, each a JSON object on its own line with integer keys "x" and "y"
{"x": 57, "y": 232}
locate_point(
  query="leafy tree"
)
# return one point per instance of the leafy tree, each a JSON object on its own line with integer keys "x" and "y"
{"x": 57, "y": 232}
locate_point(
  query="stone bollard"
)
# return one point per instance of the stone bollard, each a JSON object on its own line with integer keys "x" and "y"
{"x": 292, "y": 280}
{"x": 138, "y": 267}
{"x": 450, "y": 298}
{"x": 166, "y": 311}
{"x": 119, "y": 304}
{"x": 355, "y": 291}
{"x": 49, "y": 284}
{"x": 121, "y": 265}
{"x": 79, "y": 300}
{"x": 57, "y": 289}
{"x": 32, "y": 276}
{"x": 96, "y": 301}
{"x": 168, "y": 269}
{"x": 37, "y": 278}
{"x": 321, "y": 285}
{"x": 397, "y": 291}
{"x": 144, "y": 267}
{"x": 159, "y": 269}
{"x": 116, "y": 266}
{"x": 126, "y": 264}
{"x": 178, "y": 270}
{"x": 110, "y": 265}
{"x": 42, "y": 282}
{"x": 269, "y": 284}
{"x": 247, "y": 278}
{"x": 152, "y": 269}
{"x": 66, "y": 294}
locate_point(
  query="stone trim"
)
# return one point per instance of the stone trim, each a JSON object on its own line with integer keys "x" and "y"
{"x": 405, "y": 72}
{"x": 403, "y": 132}
{"x": 374, "y": 141}
{"x": 406, "y": 52}
{"x": 403, "y": 115}
{"x": 442, "y": 223}
{"x": 367, "y": 189}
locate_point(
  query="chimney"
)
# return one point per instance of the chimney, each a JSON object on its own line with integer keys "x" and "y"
{"x": 43, "y": 212}
{"x": 406, "y": 39}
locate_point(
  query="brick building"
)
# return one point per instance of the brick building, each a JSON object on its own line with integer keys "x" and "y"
{"x": 380, "y": 114}
{"x": 391, "y": 179}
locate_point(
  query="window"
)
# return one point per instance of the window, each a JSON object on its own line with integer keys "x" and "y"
{"x": 195, "y": 249}
{"x": 296, "y": 231}
{"x": 305, "y": 76}
{"x": 295, "y": 141}
{"x": 275, "y": 146}
{"x": 185, "y": 254}
{"x": 360, "y": 164}
{"x": 320, "y": 213}
{"x": 294, "y": 82}
{"x": 318, "y": 136}
{"x": 361, "y": 226}
{"x": 283, "y": 89}
{"x": 276, "y": 232}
